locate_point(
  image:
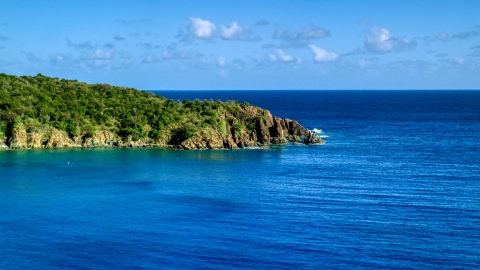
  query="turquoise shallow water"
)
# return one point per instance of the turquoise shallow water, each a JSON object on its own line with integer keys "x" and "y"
{"x": 396, "y": 186}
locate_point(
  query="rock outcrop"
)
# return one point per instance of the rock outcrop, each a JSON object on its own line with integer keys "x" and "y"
{"x": 266, "y": 130}
{"x": 59, "y": 139}
{"x": 3, "y": 145}
{"x": 313, "y": 138}
{"x": 18, "y": 140}
{"x": 103, "y": 138}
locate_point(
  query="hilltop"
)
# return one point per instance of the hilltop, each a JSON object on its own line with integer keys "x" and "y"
{"x": 44, "y": 112}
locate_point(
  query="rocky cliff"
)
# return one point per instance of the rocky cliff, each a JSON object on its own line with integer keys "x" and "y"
{"x": 246, "y": 127}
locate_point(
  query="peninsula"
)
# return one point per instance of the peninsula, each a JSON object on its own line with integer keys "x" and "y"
{"x": 44, "y": 112}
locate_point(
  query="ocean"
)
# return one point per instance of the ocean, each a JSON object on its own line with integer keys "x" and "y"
{"x": 397, "y": 185}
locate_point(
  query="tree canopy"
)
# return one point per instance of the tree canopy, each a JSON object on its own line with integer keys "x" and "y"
{"x": 80, "y": 109}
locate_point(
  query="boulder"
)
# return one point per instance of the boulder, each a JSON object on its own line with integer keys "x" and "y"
{"x": 295, "y": 129}
{"x": 3, "y": 146}
{"x": 313, "y": 138}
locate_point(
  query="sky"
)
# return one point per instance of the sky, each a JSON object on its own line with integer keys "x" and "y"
{"x": 261, "y": 45}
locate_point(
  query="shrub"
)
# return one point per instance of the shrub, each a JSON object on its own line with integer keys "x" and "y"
{"x": 251, "y": 128}
{"x": 223, "y": 128}
{"x": 188, "y": 132}
{"x": 238, "y": 127}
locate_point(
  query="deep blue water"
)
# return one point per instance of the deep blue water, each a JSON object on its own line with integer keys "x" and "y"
{"x": 396, "y": 186}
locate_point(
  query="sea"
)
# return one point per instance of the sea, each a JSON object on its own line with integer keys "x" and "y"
{"x": 396, "y": 186}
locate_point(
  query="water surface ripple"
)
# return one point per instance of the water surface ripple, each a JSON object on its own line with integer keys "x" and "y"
{"x": 396, "y": 186}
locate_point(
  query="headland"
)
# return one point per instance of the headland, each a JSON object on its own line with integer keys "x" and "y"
{"x": 42, "y": 112}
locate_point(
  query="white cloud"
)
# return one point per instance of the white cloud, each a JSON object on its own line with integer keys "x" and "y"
{"x": 238, "y": 63}
{"x": 441, "y": 36}
{"x": 97, "y": 59}
{"x": 221, "y": 61}
{"x": 200, "y": 64}
{"x": 380, "y": 40}
{"x": 97, "y": 55}
{"x": 233, "y": 32}
{"x": 302, "y": 33}
{"x": 183, "y": 55}
{"x": 278, "y": 55}
{"x": 149, "y": 58}
{"x": 189, "y": 54}
{"x": 99, "y": 64}
{"x": 299, "y": 38}
{"x": 167, "y": 55}
{"x": 201, "y": 29}
{"x": 321, "y": 55}
{"x": 236, "y": 32}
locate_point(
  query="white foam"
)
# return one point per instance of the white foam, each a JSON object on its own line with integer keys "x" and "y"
{"x": 317, "y": 130}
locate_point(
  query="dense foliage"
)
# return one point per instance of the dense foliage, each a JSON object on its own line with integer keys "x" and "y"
{"x": 80, "y": 108}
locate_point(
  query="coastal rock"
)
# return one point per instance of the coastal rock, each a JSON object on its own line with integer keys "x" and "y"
{"x": 313, "y": 138}
{"x": 102, "y": 138}
{"x": 262, "y": 125}
{"x": 214, "y": 142}
{"x": 3, "y": 146}
{"x": 195, "y": 142}
{"x": 263, "y": 132}
{"x": 19, "y": 137}
{"x": 3, "y": 141}
{"x": 38, "y": 138}
{"x": 59, "y": 139}
{"x": 278, "y": 132}
{"x": 245, "y": 139}
{"x": 229, "y": 143}
{"x": 295, "y": 129}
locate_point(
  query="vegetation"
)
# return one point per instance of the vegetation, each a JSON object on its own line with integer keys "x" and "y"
{"x": 81, "y": 109}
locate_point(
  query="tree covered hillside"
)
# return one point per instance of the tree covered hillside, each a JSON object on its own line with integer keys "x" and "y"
{"x": 80, "y": 108}
{"x": 40, "y": 111}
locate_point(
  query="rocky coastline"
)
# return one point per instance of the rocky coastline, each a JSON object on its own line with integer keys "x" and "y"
{"x": 266, "y": 130}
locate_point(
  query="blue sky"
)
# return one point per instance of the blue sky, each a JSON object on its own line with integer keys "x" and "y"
{"x": 212, "y": 44}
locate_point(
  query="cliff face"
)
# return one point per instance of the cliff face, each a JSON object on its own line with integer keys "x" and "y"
{"x": 247, "y": 127}
{"x": 242, "y": 131}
